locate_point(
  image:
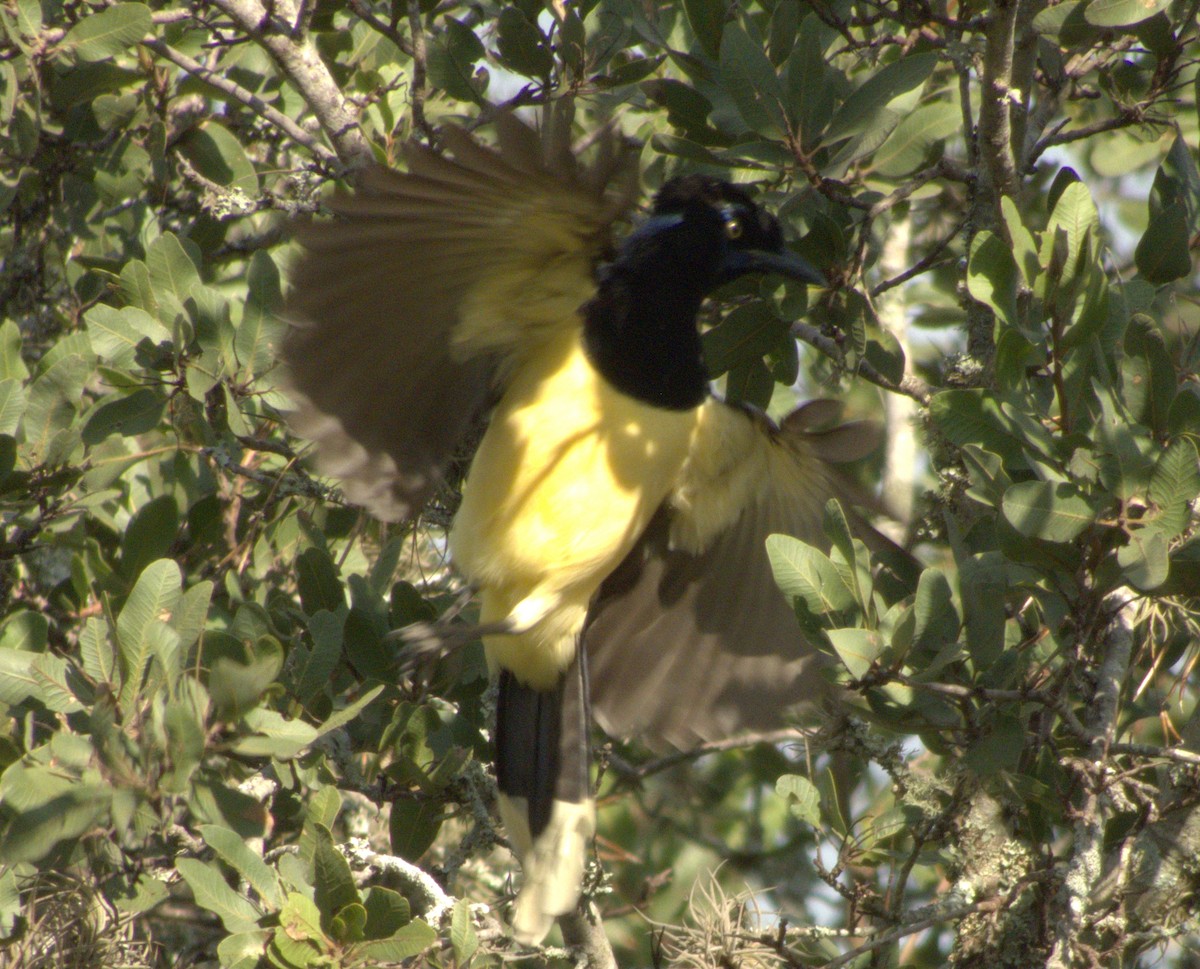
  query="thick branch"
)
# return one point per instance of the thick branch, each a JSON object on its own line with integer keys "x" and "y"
{"x": 1085, "y": 864}
{"x": 995, "y": 108}
{"x": 583, "y": 931}
{"x": 276, "y": 30}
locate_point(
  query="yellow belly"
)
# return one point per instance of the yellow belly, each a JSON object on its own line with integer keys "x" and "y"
{"x": 566, "y": 478}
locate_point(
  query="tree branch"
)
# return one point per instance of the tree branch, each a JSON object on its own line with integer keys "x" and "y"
{"x": 275, "y": 30}
{"x": 1085, "y": 864}
{"x": 583, "y": 931}
{"x": 910, "y": 385}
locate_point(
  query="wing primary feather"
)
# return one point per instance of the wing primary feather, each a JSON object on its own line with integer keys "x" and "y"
{"x": 403, "y": 309}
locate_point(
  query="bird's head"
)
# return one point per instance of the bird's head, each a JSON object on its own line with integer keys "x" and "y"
{"x": 714, "y": 229}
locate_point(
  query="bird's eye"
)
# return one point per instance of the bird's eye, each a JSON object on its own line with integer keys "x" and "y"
{"x": 733, "y": 227}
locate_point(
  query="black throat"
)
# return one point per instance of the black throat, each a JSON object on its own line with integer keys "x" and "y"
{"x": 640, "y": 328}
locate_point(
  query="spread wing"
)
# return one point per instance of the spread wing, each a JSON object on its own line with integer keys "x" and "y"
{"x": 693, "y": 613}
{"x": 409, "y": 305}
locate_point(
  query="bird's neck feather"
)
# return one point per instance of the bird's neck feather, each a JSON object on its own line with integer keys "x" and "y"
{"x": 640, "y": 334}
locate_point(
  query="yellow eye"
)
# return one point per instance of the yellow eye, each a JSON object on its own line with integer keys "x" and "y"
{"x": 733, "y": 228}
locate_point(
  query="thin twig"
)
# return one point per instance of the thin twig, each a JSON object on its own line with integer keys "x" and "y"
{"x": 242, "y": 96}
{"x": 927, "y": 262}
{"x": 910, "y": 385}
{"x": 417, "y": 88}
{"x": 628, "y": 771}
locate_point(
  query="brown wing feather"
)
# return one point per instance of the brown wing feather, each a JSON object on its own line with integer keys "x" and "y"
{"x": 686, "y": 644}
{"x": 404, "y": 306}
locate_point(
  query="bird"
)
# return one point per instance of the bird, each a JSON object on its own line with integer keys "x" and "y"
{"x": 614, "y": 514}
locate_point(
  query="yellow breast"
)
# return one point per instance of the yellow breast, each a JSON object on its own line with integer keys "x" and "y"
{"x": 565, "y": 480}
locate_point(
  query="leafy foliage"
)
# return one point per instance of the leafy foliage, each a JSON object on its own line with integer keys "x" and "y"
{"x": 207, "y": 710}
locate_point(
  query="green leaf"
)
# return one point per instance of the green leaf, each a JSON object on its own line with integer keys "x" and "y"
{"x": 988, "y": 478}
{"x": 409, "y": 941}
{"x": 861, "y": 110}
{"x": 243, "y": 950}
{"x": 99, "y": 36}
{"x": 838, "y": 531}
{"x": 1024, "y": 248}
{"x": 96, "y": 651}
{"x": 1183, "y": 416}
{"x": 217, "y": 155}
{"x": 1144, "y": 562}
{"x": 217, "y": 803}
{"x": 387, "y": 912}
{"x": 1053, "y": 512}
{"x": 237, "y": 914}
{"x": 1162, "y": 254}
{"x": 149, "y": 535}
{"x": 521, "y": 45}
{"x": 462, "y": 933}
{"x": 347, "y": 926}
{"x": 707, "y": 19}
{"x": 318, "y": 582}
{"x": 332, "y": 878}
{"x": 413, "y": 826}
{"x": 983, "y": 582}
{"x": 1122, "y": 13}
{"x": 937, "y": 619}
{"x": 260, "y": 329}
{"x": 453, "y": 54}
{"x": 857, "y": 649}
{"x": 343, "y": 716}
{"x": 803, "y": 799}
{"x": 51, "y": 675}
{"x": 140, "y": 623}
{"x": 51, "y": 403}
{"x": 1076, "y": 216}
{"x": 12, "y": 366}
{"x": 1174, "y": 486}
{"x": 184, "y": 720}
{"x": 804, "y": 572}
{"x": 322, "y": 811}
{"x": 999, "y": 749}
{"x": 237, "y": 687}
{"x": 992, "y": 276}
{"x": 300, "y": 918}
{"x": 808, "y": 80}
{"x": 115, "y": 333}
{"x": 973, "y": 417}
{"x": 911, "y": 145}
{"x": 314, "y": 666}
{"x": 750, "y": 79}
{"x": 25, "y": 630}
{"x": 126, "y": 415}
{"x": 750, "y": 383}
{"x": 43, "y": 809}
{"x": 748, "y": 333}
{"x": 12, "y": 405}
{"x": 232, "y": 849}
{"x": 171, "y": 275}
{"x": 189, "y": 616}
{"x": 18, "y": 681}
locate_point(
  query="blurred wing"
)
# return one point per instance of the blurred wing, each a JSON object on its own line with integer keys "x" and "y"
{"x": 690, "y": 640}
{"x": 410, "y": 304}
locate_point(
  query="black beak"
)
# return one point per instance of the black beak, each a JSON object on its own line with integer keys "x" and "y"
{"x": 786, "y": 263}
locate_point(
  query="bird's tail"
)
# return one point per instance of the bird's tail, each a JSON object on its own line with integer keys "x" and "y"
{"x": 542, "y": 761}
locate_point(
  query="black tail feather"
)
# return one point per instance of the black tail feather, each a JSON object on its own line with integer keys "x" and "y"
{"x": 542, "y": 766}
{"x": 542, "y": 748}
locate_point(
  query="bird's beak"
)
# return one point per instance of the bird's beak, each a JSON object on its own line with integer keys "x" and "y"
{"x": 786, "y": 263}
